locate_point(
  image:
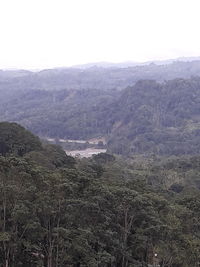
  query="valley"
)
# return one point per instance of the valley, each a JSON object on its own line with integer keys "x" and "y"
{"x": 99, "y": 133}
{"x": 88, "y": 148}
{"x": 146, "y": 118}
{"x": 114, "y": 178}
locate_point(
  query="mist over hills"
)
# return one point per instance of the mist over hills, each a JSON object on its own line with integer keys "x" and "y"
{"x": 135, "y": 116}
{"x": 96, "y": 77}
{"x": 148, "y": 183}
{"x": 127, "y": 64}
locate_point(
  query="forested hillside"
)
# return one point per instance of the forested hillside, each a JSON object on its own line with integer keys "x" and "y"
{"x": 104, "y": 211}
{"x": 147, "y": 118}
{"x": 71, "y": 114}
{"x": 157, "y": 118}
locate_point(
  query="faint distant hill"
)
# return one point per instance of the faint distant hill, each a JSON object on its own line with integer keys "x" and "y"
{"x": 105, "y": 76}
{"x": 13, "y": 73}
{"x": 127, "y": 64}
{"x": 105, "y": 64}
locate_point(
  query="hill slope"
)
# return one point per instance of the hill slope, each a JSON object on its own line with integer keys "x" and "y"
{"x": 157, "y": 118}
{"x": 149, "y": 117}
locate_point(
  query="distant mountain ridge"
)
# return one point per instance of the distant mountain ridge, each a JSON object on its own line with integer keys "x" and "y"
{"x": 13, "y": 72}
{"x": 93, "y": 77}
{"x": 126, "y": 64}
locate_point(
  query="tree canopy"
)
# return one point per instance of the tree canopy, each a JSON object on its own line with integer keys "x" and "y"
{"x": 105, "y": 211}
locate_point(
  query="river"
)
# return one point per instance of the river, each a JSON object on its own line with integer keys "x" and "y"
{"x": 86, "y": 153}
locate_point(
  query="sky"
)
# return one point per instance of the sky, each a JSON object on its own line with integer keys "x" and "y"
{"x": 37, "y": 34}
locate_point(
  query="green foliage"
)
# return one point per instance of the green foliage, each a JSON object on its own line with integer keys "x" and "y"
{"x": 161, "y": 119}
{"x": 66, "y": 113}
{"x": 104, "y": 211}
{"x": 14, "y": 139}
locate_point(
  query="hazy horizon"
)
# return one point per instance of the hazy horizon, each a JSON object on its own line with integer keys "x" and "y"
{"x": 58, "y": 33}
{"x": 101, "y": 63}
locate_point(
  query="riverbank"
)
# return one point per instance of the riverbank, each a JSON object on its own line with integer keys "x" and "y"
{"x": 86, "y": 153}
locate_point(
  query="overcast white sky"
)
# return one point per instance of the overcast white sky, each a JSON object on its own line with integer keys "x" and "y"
{"x": 51, "y": 33}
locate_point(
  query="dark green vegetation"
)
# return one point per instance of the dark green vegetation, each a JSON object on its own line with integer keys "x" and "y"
{"x": 72, "y": 114}
{"x": 14, "y": 139}
{"x": 155, "y": 118}
{"x": 147, "y": 118}
{"x": 105, "y": 211}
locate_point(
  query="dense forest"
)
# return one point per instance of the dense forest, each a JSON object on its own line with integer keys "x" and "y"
{"x": 135, "y": 206}
{"x": 105, "y": 211}
{"x": 157, "y": 118}
{"x": 147, "y": 118}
